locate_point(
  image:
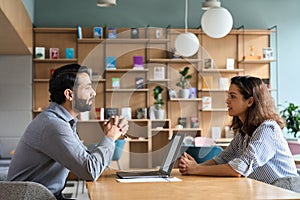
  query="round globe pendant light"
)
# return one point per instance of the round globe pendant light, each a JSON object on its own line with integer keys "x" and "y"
{"x": 216, "y": 22}
{"x": 186, "y": 44}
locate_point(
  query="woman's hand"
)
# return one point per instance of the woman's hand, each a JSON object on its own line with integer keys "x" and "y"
{"x": 187, "y": 164}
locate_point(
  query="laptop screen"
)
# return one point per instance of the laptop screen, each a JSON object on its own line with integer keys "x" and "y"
{"x": 172, "y": 154}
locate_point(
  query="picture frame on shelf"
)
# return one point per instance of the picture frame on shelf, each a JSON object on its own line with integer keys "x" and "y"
{"x": 109, "y": 112}
{"x": 230, "y": 63}
{"x": 54, "y": 53}
{"x": 70, "y": 53}
{"x": 98, "y": 32}
{"x": 206, "y": 102}
{"x": 158, "y": 73}
{"x": 110, "y": 62}
{"x": 115, "y": 83}
{"x": 40, "y": 52}
{"x": 223, "y": 83}
{"x": 112, "y": 33}
{"x": 126, "y": 113}
{"x": 139, "y": 82}
{"x": 208, "y": 63}
{"x": 268, "y": 53}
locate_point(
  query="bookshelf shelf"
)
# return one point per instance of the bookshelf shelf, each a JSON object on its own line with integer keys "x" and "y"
{"x": 59, "y": 60}
{"x": 157, "y": 58}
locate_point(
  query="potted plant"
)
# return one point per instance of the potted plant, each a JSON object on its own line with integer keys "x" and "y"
{"x": 184, "y": 83}
{"x": 157, "y": 93}
{"x": 291, "y": 115}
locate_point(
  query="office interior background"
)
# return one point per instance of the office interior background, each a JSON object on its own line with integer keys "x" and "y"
{"x": 16, "y": 70}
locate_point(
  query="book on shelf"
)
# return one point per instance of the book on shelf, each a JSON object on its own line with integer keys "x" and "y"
{"x": 98, "y": 32}
{"x": 111, "y": 112}
{"x": 134, "y": 33}
{"x": 230, "y": 64}
{"x": 138, "y": 62}
{"x": 223, "y": 83}
{"x": 54, "y": 53}
{"x": 110, "y": 62}
{"x": 79, "y": 32}
{"x": 40, "y": 52}
{"x": 206, "y": 102}
{"x": 193, "y": 93}
{"x": 207, "y": 82}
{"x": 194, "y": 122}
{"x": 208, "y": 63}
{"x": 84, "y": 116}
{"x": 99, "y": 113}
{"x": 139, "y": 82}
{"x": 115, "y": 83}
{"x": 182, "y": 121}
{"x": 216, "y": 132}
{"x": 158, "y": 73}
{"x": 70, "y": 53}
{"x": 126, "y": 113}
{"x": 112, "y": 33}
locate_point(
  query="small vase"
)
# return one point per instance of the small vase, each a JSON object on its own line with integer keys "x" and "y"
{"x": 184, "y": 93}
{"x": 159, "y": 114}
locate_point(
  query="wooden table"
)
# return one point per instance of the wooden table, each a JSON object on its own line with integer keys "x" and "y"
{"x": 297, "y": 158}
{"x": 191, "y": 187}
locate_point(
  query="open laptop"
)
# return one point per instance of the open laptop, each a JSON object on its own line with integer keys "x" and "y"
{"x": 166, "y": 166}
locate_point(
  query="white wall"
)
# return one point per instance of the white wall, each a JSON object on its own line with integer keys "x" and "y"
{"x": 15, "y": 99}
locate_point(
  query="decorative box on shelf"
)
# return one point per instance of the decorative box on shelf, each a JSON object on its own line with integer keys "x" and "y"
{"x": 249, "y": 57}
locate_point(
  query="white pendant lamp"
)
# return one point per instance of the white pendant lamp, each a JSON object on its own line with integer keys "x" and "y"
{"x": 106, "y": 3}
{"x": 186, "y": 44}
{"x": 216, "y": 21}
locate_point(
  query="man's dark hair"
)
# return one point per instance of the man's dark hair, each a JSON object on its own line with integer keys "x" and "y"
{"x": 64, "y": 78}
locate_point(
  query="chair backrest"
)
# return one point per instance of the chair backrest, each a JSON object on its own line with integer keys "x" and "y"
{"x": 290, "y": 183}
{"x": 24, "y": 190}
{"x": 118, "y": 149}
{"x": 202, "y": 154}
{"x": 294, "y": 147}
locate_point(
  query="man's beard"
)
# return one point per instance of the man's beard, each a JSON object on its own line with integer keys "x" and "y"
{"x": 82, "y": 105}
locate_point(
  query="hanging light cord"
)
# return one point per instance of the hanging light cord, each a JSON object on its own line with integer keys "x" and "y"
{"x": 186, "y": 15}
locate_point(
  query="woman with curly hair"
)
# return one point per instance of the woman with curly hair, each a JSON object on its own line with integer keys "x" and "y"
{"x": 258, "y": 150}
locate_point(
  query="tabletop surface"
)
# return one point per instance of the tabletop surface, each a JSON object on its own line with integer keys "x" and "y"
{"x": 191, "y": 187}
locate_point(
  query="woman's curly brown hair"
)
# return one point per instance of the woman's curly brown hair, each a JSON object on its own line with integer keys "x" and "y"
{"x": 263, "y": 107}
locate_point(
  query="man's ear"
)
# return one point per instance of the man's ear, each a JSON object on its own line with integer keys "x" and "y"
{"x": 68, "y": 94}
